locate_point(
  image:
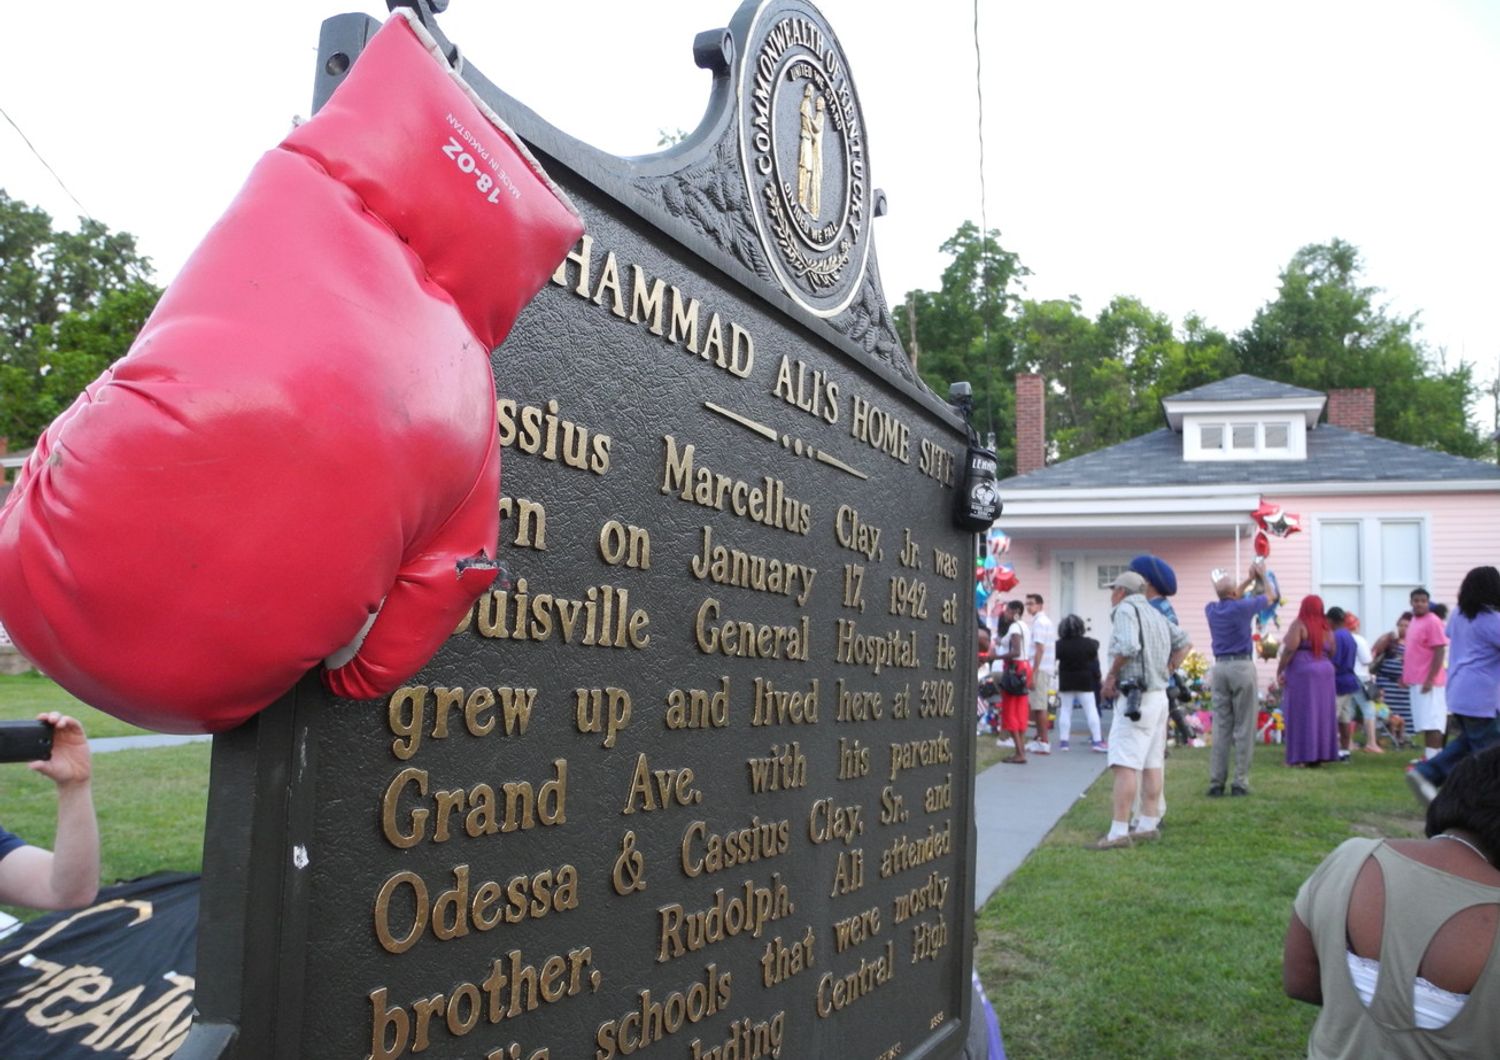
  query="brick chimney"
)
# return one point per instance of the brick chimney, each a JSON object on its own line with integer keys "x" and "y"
{"x": 1353, "y": 410}
{"x": 1031, "y": 424}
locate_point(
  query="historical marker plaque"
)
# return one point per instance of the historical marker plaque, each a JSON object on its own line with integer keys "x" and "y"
{"x": 694, "y": 777}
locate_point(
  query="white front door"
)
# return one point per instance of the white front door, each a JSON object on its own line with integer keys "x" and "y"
{"x": 1084, "y": 582}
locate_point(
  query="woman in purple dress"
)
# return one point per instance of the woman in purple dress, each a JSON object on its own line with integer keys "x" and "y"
{"x": 1308, "y": 703}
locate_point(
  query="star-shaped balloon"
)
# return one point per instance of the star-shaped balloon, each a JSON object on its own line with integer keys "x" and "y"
{"x": 1283, "y": 523}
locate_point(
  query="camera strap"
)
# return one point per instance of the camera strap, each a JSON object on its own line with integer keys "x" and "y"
{"x": 1140, "y": 632}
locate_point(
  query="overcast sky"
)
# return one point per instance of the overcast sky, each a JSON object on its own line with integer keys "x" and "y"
{"x": 1180, "y": 152}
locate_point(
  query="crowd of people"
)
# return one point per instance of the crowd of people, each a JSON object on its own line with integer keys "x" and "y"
{"x": 1330, "y": 682}
{"x": 1029, "y": 666}
{"x": 1388, "y": 986}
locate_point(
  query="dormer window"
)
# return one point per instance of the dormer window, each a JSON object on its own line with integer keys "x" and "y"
{"x": 1212, "y": 438}
{"x": 1243, "y": 418}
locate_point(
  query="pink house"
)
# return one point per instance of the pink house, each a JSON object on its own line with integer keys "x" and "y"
{"x": 1378, "y": 517}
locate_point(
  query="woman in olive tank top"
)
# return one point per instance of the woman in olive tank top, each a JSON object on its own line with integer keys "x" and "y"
{"x": 1422, "y": 984}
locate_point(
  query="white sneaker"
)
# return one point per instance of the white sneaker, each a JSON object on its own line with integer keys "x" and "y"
{"x": 1424, "y": 789}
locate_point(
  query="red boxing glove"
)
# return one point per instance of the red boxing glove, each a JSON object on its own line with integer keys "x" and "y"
{"x": 302, "y": 440}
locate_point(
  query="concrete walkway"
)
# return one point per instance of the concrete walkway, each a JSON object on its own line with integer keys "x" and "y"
{"x": 1016, "y": 806}
{"x": 101, "y": 744}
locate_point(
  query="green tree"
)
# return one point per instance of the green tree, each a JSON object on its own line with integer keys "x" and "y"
{"x": 965, "y": 329}
{"x": 70, "y": 304}
{"x": 1107, "y": 376}
{"x": 1051, "y": 338}
{"x": 1325, "y": 330}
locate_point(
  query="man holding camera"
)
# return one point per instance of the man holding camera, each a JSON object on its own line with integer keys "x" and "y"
{"x": 68, "y": 876}
{"x": 1145, "y": 649}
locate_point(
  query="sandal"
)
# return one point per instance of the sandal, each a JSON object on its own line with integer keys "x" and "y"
{"x": 1014, "y": 761}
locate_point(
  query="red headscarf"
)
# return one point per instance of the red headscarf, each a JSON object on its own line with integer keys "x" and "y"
{"x": 1315, "y": 622}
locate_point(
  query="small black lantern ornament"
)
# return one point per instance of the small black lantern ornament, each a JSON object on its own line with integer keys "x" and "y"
{"x": 977, "y": 504}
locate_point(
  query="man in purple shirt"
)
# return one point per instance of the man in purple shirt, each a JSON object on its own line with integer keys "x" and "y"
{"x": 1345, "y": 680}
{"x": 1234, "y": 682}
{"x": 1473, "y": 680}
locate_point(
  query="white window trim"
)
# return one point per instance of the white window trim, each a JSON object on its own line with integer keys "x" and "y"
{"x": 1369, "y": 549}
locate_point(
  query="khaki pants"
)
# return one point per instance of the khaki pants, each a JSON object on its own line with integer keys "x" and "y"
{"x": 1041, "y": 688}
{"x": 1234, "y": 720}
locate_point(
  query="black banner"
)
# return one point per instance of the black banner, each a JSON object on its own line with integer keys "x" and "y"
{"x": 112, "y": 980}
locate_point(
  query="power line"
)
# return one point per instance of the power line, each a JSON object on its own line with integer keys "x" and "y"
{"x": 44, "y": 162}
{"x": 984, "y": 230}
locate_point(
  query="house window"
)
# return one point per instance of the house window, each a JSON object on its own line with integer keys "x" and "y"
{"x": 1370, "y": 564}
{"x": 1108, "y": 572}
{"x": 1340, "y": 564}
{"x": 1277, "y": 439}
{"x": 1401, "y": 568}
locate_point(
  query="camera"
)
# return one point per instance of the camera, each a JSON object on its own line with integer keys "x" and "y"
{"x": 1131, "y": 692}
{"x": 25, "y": 741}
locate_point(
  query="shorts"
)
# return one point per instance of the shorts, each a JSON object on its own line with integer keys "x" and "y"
{"x": 1346, "y": 708}
{"x": 1140, "y": 744}
{"x": 1429, "y": 710}
{"x": 1015, "y": 713}
{"x": 1042, "y": 686}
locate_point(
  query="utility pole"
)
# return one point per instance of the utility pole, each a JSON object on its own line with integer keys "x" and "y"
{"x": 913, "y": 350}
{"x": 1495, "y": 404}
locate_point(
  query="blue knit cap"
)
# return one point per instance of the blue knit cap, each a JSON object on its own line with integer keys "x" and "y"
{"x": 1156, "y": 571}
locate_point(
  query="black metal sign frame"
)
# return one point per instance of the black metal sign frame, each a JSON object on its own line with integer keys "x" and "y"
{"x": 696, "y": 774}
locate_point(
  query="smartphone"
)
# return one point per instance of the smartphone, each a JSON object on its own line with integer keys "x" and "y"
{"x": 25, "y": 741}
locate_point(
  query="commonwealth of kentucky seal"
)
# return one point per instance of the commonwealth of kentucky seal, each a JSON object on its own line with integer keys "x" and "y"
{"x": 802, "y": 145}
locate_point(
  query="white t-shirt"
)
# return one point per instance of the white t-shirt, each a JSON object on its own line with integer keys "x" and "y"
{"x": 1362, "y": 657}
{"x": 1043, "y": 632}
{"x": 1016, "y": 643}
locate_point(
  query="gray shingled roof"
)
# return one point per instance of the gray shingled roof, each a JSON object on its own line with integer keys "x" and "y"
{"x": 1333, "y": 455}
{"x": 1244, "y": 388}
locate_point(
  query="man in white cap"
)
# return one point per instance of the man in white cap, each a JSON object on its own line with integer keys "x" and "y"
{"x": 1144, "y": 648}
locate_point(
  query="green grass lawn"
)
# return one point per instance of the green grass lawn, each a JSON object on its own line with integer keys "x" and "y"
{"x": 1173, "y": 949}
{"x": 23, "y": 696}
{"x": 150, "y": 803}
